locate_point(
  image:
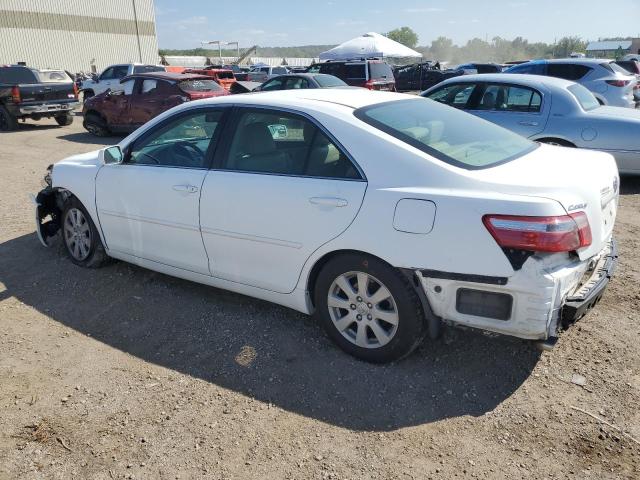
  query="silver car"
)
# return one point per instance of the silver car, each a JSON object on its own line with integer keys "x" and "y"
{"x": 264, "y": 73}
{"x": 548, "y": 110}
{"x": 610, "y": 83}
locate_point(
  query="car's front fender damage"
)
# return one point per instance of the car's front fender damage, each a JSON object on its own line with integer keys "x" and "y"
{"x": 48, "y": 210}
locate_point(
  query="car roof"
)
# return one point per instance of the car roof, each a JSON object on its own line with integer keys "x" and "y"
{"x": 520, "y": 78}
{"x": 171, "y": 76}
{"x": 584, "y": 61}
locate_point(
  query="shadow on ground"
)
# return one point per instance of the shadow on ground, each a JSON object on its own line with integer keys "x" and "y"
{"x": 88, "y": 139}
{"x": 630, "y": 185}
{"x": 261, "y": 350}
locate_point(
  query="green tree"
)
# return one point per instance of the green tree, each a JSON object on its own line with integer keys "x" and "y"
{"x": 405, "y": 36}
{"x": 567, "y": 45}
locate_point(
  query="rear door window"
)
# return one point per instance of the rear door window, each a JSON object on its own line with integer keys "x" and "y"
{"x": 510, "y": 98}
{"x": 355, "y": 71}
{"x": 567, "y": 71}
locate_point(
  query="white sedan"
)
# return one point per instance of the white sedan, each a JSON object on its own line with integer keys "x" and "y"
{"x": 383, "y": 213}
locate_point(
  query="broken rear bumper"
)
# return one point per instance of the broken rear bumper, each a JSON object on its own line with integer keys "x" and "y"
{"x": 576, "y": 306}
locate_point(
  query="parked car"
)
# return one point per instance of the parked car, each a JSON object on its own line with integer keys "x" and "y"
{"x": 301, "y": 80}
{"x": 223, "y": 77}
{"x": 34, "y": 94}
{"x": 143, "y": 96}
{"x": 239, "y": 72}
{"x": 474, "y": 68}
{"x": 380, "y": 212}
{"x": 549, "y": 110}
{"x": 420, "y": 76}
{"x": 264, "y": 73}
{"x": 633, "y": 67}
{"x": 297, "y": 69}
{"x": 111, "y": 76}
{"x": 371, "y": 74}
{"x": 611, "y": 84}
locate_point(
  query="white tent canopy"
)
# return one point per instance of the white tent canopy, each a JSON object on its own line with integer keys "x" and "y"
{"x": 369, "y": 45}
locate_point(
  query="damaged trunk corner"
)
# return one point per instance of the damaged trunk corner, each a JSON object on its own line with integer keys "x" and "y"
{"x": 48, "y": 214}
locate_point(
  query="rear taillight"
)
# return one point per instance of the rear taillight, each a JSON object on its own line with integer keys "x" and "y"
{"x": 75, "y": 90}
{"x": 370, "y": 85}
{"x": 618, "y": 83}
{"x": 564, "y": 233}
{"x": 15, "y": 94}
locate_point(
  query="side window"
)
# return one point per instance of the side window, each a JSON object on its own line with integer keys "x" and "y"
{"x": 296, "y": 83}
{"x": 149, "y": 86}
{"x": 521, "y": 99}
{"x": 275, "y": 84}
{"x": 120, "y": 71}
{"x": 107, "y": 74}
{"x": 128, "y": 86}
{"x": 182, "y": 142}
{"x": 457, "y": 95}
{"x": 287, "y": 144}
{"x": 265, "y": 69}
{"x": 567, "y": 71}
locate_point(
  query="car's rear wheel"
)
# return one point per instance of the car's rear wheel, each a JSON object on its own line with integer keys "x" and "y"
{"x": 7, "y": 121}
{"x": 64, "y": 120}
{"x": 80, "y": 236}
{"x": 369, "y": 308}
{"x": 96, "y": 125}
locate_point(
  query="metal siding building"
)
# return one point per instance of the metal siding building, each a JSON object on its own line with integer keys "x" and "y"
{"x": 77, "y": 34}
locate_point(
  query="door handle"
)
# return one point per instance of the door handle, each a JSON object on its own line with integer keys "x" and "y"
{"x": 185, "y": 188}
{"x": 329, "y": 201}
{"x": 528, "y": 123}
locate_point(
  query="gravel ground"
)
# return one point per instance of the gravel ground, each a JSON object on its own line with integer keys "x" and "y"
{"x": 125, "y": 373}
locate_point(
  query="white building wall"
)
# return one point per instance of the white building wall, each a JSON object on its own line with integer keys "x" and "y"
{"x": 76, "y": 34}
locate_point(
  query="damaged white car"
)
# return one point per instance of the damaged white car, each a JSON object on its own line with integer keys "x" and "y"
{"x": 385, "y": 214}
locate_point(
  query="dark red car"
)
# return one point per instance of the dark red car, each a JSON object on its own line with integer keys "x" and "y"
{"x": 143, "y": 96}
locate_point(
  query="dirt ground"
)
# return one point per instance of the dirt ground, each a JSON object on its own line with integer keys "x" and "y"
{"x": 125, "y": 373}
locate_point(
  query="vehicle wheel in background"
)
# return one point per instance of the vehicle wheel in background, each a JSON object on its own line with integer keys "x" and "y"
{"x": 80, "y": 236}
{"x": 558, "y": 142}
{"x": 64, "y": 120}
{"x": 369, "y": 308}
{"x": 95, "y": 125}
{"x": 7, "y": 121}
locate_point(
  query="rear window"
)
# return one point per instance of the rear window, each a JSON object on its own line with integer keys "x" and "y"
{"x": 53, "y": 76}
{"x": 585, "y": 98}
{"x": 225, "y": 75}
{"x": 15, "y": 75}
{"x": 329, "y": 81}
{"x": 199, "y": 85}
{"x": 445, "y": 133}
{"x": 147, "y": 68}
{"x": 355, "y": 71}
{"x": 380, "y": 70}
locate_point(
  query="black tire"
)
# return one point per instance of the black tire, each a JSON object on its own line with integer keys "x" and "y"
{"x": 557, "y": 142}
{"x": 96, "y": 255}
{"x": 64, "y": 120}
{"x": 7, "y": 121}
{"x": 96, "y": 125}
{"x": 410, "y": 328}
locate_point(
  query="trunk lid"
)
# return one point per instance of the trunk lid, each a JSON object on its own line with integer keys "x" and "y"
{"x": 580, "y": 180}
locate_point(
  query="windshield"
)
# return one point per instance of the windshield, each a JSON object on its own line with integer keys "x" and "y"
{"x": 199, "y": 85}
{"x": 329, "y": 81}
{"x": 53, "y": 76}
{"x": 585, "y": 98}
{"x": 446, "y": 133}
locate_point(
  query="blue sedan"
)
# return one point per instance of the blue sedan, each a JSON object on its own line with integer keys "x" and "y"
{"x": 548, "y": 110}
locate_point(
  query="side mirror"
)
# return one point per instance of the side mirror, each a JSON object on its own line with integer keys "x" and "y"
{"x": 112, "y": 155}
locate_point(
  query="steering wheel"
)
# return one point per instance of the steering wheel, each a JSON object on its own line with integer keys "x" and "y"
{"x": 190, "y": 152}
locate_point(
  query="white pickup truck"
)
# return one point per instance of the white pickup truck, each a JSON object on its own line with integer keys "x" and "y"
{"x": 111, "y": 76}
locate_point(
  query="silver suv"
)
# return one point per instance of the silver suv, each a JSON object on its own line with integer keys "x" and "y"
{"x": 610, "y": 83}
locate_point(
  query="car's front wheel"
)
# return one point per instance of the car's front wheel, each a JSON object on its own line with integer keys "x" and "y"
{"x": 96, "y": 125}
{"x": 80, "y": 236}
{"x": 64, "y": 120}
{"x": 369, "y": 308}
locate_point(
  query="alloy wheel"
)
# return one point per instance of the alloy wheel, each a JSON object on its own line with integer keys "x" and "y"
{"x": 363, "y": 309}
{"x": 77, "y": 234}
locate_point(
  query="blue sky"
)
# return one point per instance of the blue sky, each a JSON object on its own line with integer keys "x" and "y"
{"x": 186, "y": 23}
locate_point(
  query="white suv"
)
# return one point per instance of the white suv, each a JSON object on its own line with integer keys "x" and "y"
{"x": 610, "y": 83}
{"x": 111, "y": 76}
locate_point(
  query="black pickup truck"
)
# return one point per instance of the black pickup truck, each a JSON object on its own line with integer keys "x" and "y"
{"x": 29, "y": 93}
